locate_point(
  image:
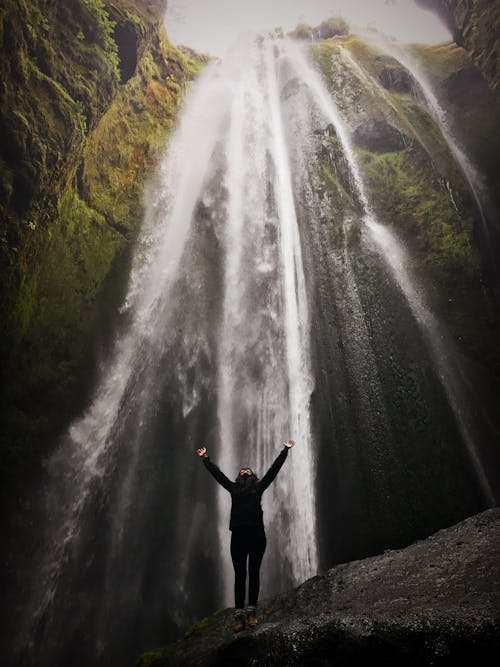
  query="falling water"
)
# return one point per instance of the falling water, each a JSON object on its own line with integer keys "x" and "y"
{"x": 395, "y": 256}
{"x": 472, "y": 175}
{"x": 218, "y": 346}
{"x": 264, "y": 376}
{"x": 226, "y": 176}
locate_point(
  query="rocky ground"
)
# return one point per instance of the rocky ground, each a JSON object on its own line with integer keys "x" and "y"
{"x": 431, "y": 603}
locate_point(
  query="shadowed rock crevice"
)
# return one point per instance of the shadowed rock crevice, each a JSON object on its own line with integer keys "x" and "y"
{"x": 395, "y": 78}
{"x": 380, "y": 137}
{"x": 126, "y": 40}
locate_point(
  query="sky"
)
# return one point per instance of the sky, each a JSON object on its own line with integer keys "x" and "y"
{"x": 211, "y": 26}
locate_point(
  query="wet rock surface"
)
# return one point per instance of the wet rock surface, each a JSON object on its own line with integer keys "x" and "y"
{"x": 395, "y": 78}
{"x": 475, "y": 25}
{"x": 380, "y": 137}
{"x": 431, "y": 603}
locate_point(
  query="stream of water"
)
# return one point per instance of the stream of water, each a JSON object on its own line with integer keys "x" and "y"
{"x": 218, "y": 346}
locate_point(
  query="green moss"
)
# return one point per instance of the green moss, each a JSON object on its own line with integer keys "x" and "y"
{"x": 201, "y": 626}
{"x": 334, "y": 184}
{"x": 322, "y": 54}
{"x": 421, "y": 208}
{"x": 407, "y": 188}
{"x": 6, "y": 183}
{"x": 158, "y": 657}
{"x": 472, "y": 109}
{"x": 38, "y": 22}
{"x": 367, "y": 55}
{"x": 77, "y": 149}
{"x": 419, "y": 191}
{"x": 101, "y": 28}
{"x": 440, "y": 61}
{"x": 162, "y": 657}
{"x": 301, "y": 31}
{"x": 336, "y": 25}
{"x": 52, "y": 320}
{"x": 129, "y": 137}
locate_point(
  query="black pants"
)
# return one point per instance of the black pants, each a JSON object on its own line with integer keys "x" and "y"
{"x": 247, "y": 542}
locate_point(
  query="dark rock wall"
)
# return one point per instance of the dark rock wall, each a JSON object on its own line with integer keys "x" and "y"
{"x": 475, "y": 25}
{"x": 402, "y": 419}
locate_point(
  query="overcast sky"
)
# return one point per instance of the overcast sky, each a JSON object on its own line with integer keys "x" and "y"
{"x": 211, "y": 26}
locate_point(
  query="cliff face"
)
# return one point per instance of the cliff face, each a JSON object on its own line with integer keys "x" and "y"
{"x": 376, "y": 381}
{"x": 432, "y": 603}
{"x": 475, "y": 25}
{"x": 90, "y": 93}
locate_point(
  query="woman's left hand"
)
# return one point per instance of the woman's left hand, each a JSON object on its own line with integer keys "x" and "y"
{"x": 288, "y": 444}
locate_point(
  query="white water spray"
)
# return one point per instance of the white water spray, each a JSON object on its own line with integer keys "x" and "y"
{"x": 231, "y": 121}
{"x": 215, "y": 343}
{"x": 473, "y": 177}
{"x": 265, "y": 381}
{"x": 395, "y": 257}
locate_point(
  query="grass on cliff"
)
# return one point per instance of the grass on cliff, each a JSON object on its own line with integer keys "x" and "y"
{"x": 419, "y": 190}
{"x": 407, "y": 195}
{"x": 77, "y": 151}
{"x": 129, "y": 137}
{"x": 53, "y": 325}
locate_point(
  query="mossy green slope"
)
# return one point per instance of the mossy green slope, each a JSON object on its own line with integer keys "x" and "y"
{"x": 91, "y": 91}
{"x": 415, "y": 185}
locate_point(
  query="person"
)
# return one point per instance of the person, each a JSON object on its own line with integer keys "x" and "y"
{"x": 248, "y": 537}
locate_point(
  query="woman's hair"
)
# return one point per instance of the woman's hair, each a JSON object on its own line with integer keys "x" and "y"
{"x": 246, "y": 481}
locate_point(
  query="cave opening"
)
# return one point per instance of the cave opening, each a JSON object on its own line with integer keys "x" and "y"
{"x": 126, "y": 40}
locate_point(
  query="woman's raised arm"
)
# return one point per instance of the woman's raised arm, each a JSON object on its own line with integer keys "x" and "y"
{"x": 275, "y": 468}
{"x": 214, "y": 470}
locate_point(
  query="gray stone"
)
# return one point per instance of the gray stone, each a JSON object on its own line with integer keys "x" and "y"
{"x": 396, "y": 78}
{"x": 435, "y": 602}
{"x": 379, "y": 136}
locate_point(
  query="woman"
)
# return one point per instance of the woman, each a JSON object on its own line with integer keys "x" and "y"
{"x": 248, "y": 539}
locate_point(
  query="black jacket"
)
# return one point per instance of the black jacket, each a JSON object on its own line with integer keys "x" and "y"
{"x": 246, "y": 509}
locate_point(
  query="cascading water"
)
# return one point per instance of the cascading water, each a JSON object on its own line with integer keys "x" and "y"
{"x": 264, "y": 376}
{"x": 216, "y": 326}
{"x": 265, "y": 303}
{"x": 472, "y": 175}
{"x": 395, "y": 257}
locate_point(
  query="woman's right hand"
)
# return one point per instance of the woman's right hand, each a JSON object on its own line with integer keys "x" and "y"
{"x": 202, "y": 451}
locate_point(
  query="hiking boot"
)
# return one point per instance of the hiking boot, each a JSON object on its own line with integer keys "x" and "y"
{"x": 239, "y": 621}
{"x": 252, "y": 619}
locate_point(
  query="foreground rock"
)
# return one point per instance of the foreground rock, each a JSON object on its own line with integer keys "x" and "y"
{"x": 432, "y": 603}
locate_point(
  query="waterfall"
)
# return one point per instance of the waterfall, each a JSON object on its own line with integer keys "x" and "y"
{"x": 264, "y": 375}
{"x": 262, "y": 305}
{"x": 227, "y": 175}
{"x": 471, "y": 173}
{"x": 394, "y": 255}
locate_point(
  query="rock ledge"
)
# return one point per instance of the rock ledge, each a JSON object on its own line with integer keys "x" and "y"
{"x": 431, "y": 603}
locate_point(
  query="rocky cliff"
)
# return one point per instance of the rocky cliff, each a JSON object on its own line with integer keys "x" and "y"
{"x": 475, "y": 25}
{"x": 90, "y": 91}
{"x": 433, "y": 603}
{"x": 100, "y": 91}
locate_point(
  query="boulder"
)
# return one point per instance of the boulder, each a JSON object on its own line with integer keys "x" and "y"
{"x": 379, "y": 136}
{"x": 396, "y": 78}
{"x": 432, "y": 603}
